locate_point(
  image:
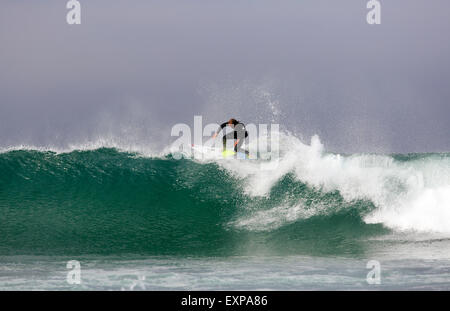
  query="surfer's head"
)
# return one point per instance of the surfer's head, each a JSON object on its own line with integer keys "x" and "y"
{"x": 232, "y": 122}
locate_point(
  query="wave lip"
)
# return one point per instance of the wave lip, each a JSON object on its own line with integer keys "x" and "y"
{"x": 121, "y": 145}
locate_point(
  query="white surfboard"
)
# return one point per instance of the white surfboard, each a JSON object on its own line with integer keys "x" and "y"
{"x": 214, "y": 152}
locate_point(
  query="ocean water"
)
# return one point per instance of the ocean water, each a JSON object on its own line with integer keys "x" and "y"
{"x": 140, "y": 221}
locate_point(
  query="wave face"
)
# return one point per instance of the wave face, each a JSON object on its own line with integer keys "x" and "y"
{"x": 106, "y": 201}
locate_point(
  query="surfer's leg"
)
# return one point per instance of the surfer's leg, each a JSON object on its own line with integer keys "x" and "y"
{"x": 241, "y": 142}
{"x": 241, "y": 137}
{"x": 225, "y": 138}
{"x": 238, "y": 148}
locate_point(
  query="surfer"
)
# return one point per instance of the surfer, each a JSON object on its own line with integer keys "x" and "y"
{"x": 238, "y": 135}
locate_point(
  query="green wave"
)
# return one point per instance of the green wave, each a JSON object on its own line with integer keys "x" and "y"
{"x": 110, "y": 202}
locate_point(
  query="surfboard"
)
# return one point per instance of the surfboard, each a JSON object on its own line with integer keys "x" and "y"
{"x": 214, "y": 152}
{"x": 228, "y": 153}
{"x": 231, "y": 153}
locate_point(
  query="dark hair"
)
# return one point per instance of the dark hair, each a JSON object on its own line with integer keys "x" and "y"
{"x": 233, "y": 121}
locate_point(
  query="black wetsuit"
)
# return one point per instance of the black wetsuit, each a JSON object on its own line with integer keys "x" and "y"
{"x": 239, "y": 132}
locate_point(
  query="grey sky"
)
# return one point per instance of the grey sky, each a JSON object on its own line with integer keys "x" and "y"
{"x": 133, "y": 69}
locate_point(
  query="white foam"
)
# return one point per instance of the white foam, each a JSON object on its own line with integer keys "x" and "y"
{"x": 411, "y": 195}
{"x": 428, "y": 211}
{"x": 279, "y": 216}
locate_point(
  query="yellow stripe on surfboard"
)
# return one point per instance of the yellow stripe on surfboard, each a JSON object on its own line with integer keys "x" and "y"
{"x": 228, "y": 153}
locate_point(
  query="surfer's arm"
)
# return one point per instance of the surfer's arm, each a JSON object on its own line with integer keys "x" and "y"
{"x": 220, "y": 128}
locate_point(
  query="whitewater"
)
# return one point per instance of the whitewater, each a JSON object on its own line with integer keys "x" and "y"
{"x": 409, "y": 192}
